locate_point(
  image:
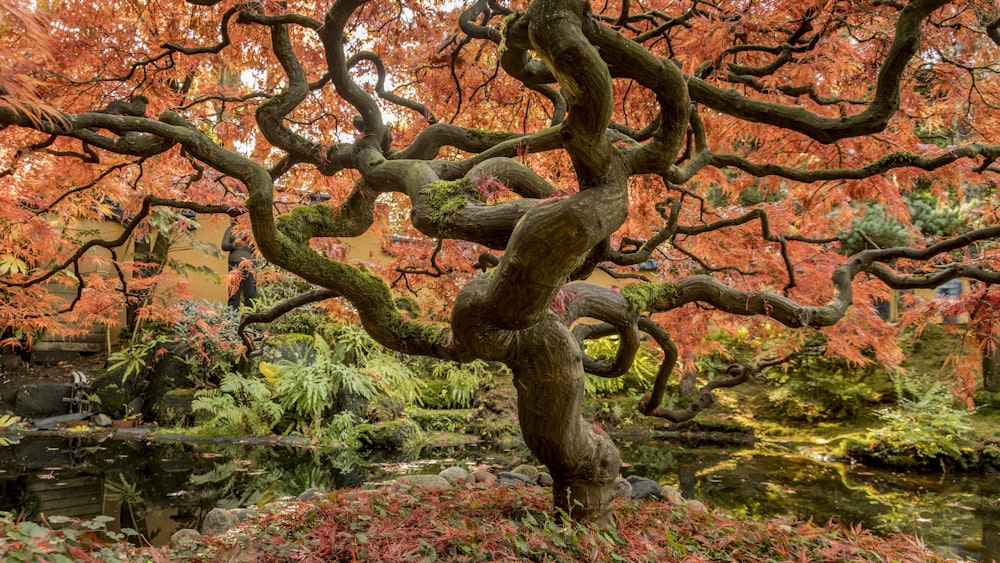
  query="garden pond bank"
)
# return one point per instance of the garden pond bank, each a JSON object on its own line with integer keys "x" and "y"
{"x": 158, "y": 487}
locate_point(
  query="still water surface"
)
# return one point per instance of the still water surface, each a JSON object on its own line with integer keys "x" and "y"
{"x": 158, "y": 487}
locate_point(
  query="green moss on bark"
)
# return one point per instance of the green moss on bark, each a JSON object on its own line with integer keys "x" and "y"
{"x": 447, "y": 197}
{"x": 644, "y": 297}
{"x": 302, "y": 221}
{"x": 893, "y": 160}
{"x": 511, "y": 18}
{"x": 434, "y": 333}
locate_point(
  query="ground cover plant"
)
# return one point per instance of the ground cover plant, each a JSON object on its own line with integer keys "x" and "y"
{"x": 490, "y": 524}
{"x": 756, "y": 164}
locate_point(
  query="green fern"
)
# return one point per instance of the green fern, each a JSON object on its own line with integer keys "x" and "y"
{"x": 929, "y": 424}
{"x": 358, "y": 346}
{"x": 307, "y": 388}
{"x": 395, "y": 378}
{"x": 239, "y": 405}
{"x": 132, "y": 360}
{"x": 461, "y": 381}
{"x": 638, "y": 379}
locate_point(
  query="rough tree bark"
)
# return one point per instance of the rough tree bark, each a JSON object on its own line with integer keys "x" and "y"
{"x": 991, "y": 369}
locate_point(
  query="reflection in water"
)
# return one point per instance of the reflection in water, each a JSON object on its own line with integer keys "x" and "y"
{"x": 158, "y": 487}
{"x": 951, "y": 513}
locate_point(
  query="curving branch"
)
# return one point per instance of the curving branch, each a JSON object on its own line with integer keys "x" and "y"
{"x": 993, "y": 30}
{"x": 400, "y": 101}
{"x": 736, "y": 374}
{"x": 712, "y": 292}
{"x": 827, "y": 130}
{"x": 272, "y": 113}
{"x": 891, "y": 161}
{"x": 148, "y": 203}
{"x": 224, "y": 40}
{"x": 275, "y": 312}
{"x": 104, "y": 174}
{"x": 516, "y": 61}
{"x": 334, "y": 39}
{"x": 556, "y": 29}
{"x": 590, "y": 301}
{"x": 434, "y": 272}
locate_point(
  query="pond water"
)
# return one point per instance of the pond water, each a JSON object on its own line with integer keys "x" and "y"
{"x": 159, "y": 487}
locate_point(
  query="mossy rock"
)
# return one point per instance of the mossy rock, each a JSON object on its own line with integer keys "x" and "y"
{"x": 393, "y": 435}
{"x": 990, "y": 455}
{"x": 173, "y": 409}
{"x": 909, "y": 459}
{"x": 435, "y": 394}
{"x": 290, "y": 347}
{"x": 291, "y": 339}
{"x": 495, "y": 420}
{"x": 384, "y": 409}
{"x": 708, "y": 425}
{"x": 115, "y": 394}
{"x": 987, "y": 399}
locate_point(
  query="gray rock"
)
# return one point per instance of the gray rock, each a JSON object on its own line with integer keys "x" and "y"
{"x": 244, "y": 514}
{"x": 426, "y": 481}
{"x": 37, "y": 400}
{"x": 272, "y": 508}
{"x": 185, "y": 537}
{"x": 697, "y": 506}
{"x": 173, "y": 408}
{"x": 134, "y": 406}
{"x": 643, "y": 488}
{"x": 484, "y": 477}
{"x": 218, "y": 520}
{"x": 512, "y": 478}
{"x": 103, "y": 421}
{"x": 529, "y": 470}
{"x": 621, "y": 488}
{"x": 10, "y": 361}
{"x": 51, "y": 357}
{"x": 313, "y": 493}
{"x": 456, "y": 475}
{"x": 393, "y": 435}
{"x": 545, "y": 480}
{"x": 670, "y": 494}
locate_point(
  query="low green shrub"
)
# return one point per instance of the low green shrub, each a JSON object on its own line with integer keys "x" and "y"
{"x": 929, "y": 426}
{"x": 925, "y": 429}
{"x": 815, "y": 388}
{"x": 441, "y": 420}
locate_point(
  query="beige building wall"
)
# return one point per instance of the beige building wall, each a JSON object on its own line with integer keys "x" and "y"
{"x": 211, "y": 257}
{"x": 213, "y": 288}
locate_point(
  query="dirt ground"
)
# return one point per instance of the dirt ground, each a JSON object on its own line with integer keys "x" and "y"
{"x": 15, "y": 372}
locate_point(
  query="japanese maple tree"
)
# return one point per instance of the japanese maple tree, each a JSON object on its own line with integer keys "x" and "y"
{"x": 737, "y": 142}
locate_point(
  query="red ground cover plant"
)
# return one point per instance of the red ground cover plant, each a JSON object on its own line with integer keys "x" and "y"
{"x": 512, "y": 524}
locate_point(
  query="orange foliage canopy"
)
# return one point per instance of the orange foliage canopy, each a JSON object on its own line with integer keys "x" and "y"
{"x": 752, "y": 137}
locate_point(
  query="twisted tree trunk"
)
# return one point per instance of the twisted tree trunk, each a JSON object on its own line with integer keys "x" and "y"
{"x": 583, "y": 462}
